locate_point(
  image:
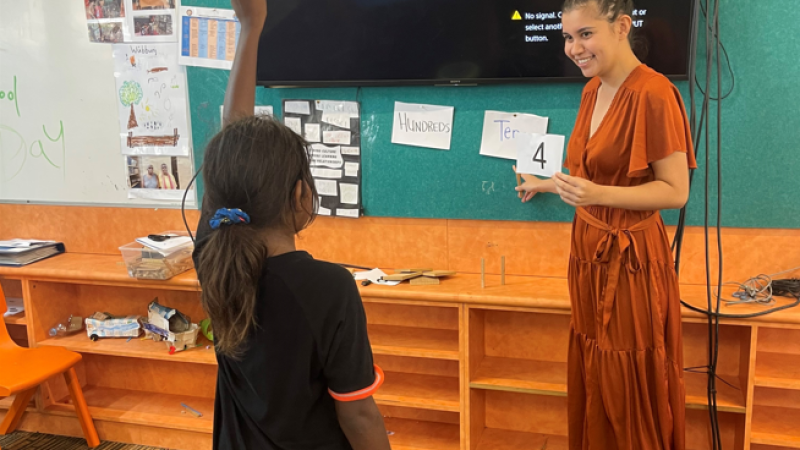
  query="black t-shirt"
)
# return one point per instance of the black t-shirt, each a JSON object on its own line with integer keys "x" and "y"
{"x": 311, "y": 338}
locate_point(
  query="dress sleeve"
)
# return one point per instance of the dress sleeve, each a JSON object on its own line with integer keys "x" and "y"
{"x": 661, "y": 128}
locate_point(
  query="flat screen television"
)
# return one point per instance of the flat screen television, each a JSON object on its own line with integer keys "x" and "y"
{"x": 446, "y": 42}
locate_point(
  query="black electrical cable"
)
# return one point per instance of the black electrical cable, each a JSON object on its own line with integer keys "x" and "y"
{"x": 183, "y": 203}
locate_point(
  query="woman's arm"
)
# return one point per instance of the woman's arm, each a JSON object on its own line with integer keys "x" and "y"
{"x": 240, "y": 95}
{"x": 670, "y": 189}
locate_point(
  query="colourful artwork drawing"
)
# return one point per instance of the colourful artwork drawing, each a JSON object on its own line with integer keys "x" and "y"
{"x": 131, "y": 94}
{"x": 153, "y": 108}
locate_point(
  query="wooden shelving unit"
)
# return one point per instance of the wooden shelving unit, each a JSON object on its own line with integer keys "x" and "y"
{"x": 466, "y": 368}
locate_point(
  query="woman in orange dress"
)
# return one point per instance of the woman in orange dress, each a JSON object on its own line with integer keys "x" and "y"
{"x": 628, "y": 157}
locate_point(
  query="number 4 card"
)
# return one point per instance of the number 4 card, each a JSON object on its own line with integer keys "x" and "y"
{"x": 540, "y": 154}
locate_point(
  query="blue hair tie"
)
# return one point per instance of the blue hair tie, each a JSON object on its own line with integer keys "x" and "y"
{"x": 226, "y": 216}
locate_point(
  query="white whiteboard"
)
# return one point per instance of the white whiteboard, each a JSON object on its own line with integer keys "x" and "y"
{"x": 59, "y": 132}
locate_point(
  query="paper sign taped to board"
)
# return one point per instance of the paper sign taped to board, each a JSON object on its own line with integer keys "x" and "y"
{"x": 334, "y": 174}
{"x": 347, "y": 212}
{"x": 540, "y": 154}
{"x": 297, "y": 108}
{"x": 326, "y": 187}
{"x": 422, "y": 125}
{"x": 351, "y": 169}
{"x": 312, "y": 132}
{"x": 294, "y": 124}
{"x": 352, "y": 151}
{"x": 324, "y": 155}
{"x": 501, "y": 130}
{"x": 336, "y": 119}
{"x": 207, "y": 36}
{"x": 349, "y": 193}
{"x": 348, "y": 108}
{"x": 323, "y": 211}
{"x": 336, "y": 137}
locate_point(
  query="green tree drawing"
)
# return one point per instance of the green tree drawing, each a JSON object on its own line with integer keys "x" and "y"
{"x": 131, "y": 94}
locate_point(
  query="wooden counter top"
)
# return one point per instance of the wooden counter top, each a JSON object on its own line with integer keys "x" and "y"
{"x": 519, "y": 291}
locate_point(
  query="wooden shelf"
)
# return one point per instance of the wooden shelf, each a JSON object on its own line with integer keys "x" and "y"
{"x": 774, "y": 425}
{"x": 415, "y": 435}
{"x": 143, "y": 408}
{"x": 417, "y": 342}
{"x": 728, "y": 398}
{"x": 16, "y": 319}
{"x": 521, "y": 375}
{"x": 420, "y": 391}
{"x": 778, "y": 370}
{"x": 493, "y": 439}
{"x": 135, "y": 348}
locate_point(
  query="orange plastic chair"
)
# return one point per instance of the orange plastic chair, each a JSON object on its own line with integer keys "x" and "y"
{"x": 22, "y": 370}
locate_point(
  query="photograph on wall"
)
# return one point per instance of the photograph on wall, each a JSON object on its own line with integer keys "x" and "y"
{"x": 151, "y": 100}
{"x": 333, "y": 132}
{"x": 158, "y": 177}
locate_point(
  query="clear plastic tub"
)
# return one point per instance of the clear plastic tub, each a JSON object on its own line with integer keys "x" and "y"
{"x": 146, "y": 263}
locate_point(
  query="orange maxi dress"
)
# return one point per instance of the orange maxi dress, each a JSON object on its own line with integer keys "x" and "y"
{"x": 625, "y": 386}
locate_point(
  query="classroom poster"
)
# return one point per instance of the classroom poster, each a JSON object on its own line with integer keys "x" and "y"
{"x": 333, "y": 131}
{"x": 151, "y": 99}
{"x": 207, "y": 37}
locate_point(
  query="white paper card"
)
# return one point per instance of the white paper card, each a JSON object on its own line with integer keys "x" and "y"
{"x": 294, "y": 124}
{"x": 336, "y": 137}
{"x": 348, "y": 108}
{"x": 324, "y": 155}
{"x": 540, "y": 154}
{"x": 351, "y": 151}
{"x": 374, "y": 276}
{"x": 501, "y": 130}
{"x": 316, "y": 172}
{"x": 349, "y": 193}
{"x": 350, "y": 169}
{"x": 351, "y": 213}
{"x": 326, "y": 187}
{"x": 336, "y": 119}
{"x": 298, "y": 108}
{"x": 312, "y": 132}
{"x": 323, "y": 211}
{"x": 422, "y": 125}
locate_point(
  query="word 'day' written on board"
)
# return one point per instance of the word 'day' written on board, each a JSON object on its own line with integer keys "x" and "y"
{"x": 540, "y": 154}
{"x": 501, "y": 131}
{"x": 423, "y": 125}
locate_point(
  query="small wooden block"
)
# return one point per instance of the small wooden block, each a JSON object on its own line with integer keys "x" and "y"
{"x": 439, "y": 273}
{"x": 401, "y": 276}
{"x": 424, "y": 281}
{"x": 411, "y": 270}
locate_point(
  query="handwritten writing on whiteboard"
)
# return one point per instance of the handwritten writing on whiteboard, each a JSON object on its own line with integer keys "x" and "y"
{"x": 422, "y": 125}
{"x": 10, "y": 96}
{"x": 324, "y": 155}
{"x": 15, "y": 150}
{"x": 501, "y": 130}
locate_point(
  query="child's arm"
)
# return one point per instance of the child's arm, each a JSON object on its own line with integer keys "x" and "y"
{"x": 362, "y": 423}
{"x": 240, "y": 95}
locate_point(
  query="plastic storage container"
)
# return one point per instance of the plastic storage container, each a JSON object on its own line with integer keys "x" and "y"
{"x": 149, "y": 264}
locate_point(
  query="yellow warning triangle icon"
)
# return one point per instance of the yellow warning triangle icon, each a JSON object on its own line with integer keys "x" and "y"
{"x": 516, "y": 16}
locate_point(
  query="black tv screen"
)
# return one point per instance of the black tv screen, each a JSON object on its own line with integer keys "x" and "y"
{"x": 392, "y": 42}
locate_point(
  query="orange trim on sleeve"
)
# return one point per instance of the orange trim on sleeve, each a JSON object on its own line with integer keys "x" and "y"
{"x": 363, "y": 393}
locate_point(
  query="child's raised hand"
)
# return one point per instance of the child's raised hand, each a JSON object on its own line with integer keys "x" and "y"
{"x": 251, "y": 13}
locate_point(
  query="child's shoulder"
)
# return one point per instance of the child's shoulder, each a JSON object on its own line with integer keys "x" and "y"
{"x": 308, "y": 275}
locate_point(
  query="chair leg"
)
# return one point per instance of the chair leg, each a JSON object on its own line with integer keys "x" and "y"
{"x": 75, "y": 391}
{"x": 14, "y": 415}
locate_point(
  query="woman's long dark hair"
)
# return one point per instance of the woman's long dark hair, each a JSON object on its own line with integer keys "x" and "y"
{"x": 253, "y": 164}
{"x": 612, "y": 10}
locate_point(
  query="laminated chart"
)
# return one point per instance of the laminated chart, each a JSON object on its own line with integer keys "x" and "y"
{"x": 208, "y": 37}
